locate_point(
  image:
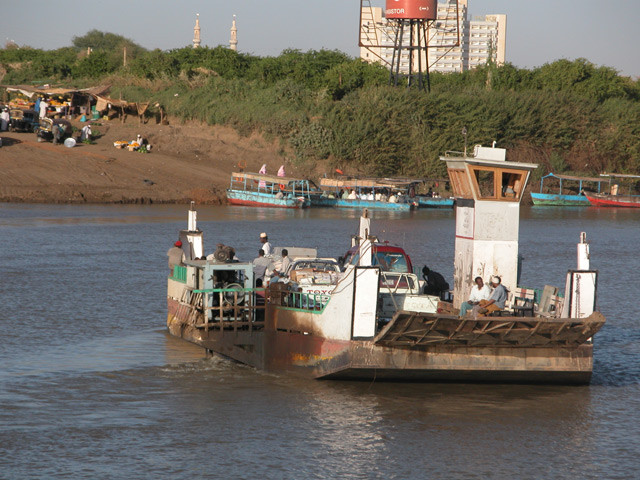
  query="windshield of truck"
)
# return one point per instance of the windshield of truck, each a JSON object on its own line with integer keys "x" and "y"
{"x": 391, "y": 262}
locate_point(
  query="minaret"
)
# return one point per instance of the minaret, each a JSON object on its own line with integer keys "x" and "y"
{"x": 233, "y": 41}
{"x": 196, "y": 32}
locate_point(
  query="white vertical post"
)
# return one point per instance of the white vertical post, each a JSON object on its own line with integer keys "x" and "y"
{"x": 583, "y": 252}
{"x": 193, "y": 214}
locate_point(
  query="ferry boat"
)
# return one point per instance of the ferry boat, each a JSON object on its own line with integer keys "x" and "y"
{"x": 562, "y": 198}
{"x": 370, "y": 193}
{"x": 614, "y": 198}
{"x": 372, "y": 321}
{"x": 257, "y": 190}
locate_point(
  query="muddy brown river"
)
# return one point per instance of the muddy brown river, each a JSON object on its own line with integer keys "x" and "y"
{"x": 92, "y": 387}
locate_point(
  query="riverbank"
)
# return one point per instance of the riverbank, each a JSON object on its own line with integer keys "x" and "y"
{"x": 188, "y": 162}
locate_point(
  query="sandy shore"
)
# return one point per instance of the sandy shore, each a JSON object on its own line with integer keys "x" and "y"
{"x": 187, "y": 163}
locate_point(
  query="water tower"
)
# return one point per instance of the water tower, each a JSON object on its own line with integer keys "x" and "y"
{"x": 401, "y": 34}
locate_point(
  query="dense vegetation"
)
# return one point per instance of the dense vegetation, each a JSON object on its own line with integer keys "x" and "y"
{"x": 566, "y": 115}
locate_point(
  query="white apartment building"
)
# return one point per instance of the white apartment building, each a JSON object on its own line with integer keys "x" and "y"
{"x": 480, "y": 38}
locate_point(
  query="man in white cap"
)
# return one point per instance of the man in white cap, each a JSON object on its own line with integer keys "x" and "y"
{"x": 266, "y": 246}
{"x": 497, "y": 298}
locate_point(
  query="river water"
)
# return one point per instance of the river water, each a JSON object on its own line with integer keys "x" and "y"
{"x": 91, "y": 386}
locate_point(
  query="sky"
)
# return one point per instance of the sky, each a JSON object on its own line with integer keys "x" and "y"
{"x": 538, "y": 31}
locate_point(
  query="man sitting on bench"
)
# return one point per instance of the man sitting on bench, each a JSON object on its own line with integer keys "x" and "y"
{"x": 496, "y": 300}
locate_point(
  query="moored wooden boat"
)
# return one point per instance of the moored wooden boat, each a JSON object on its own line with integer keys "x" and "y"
{"x": 606, "y": 200}
{"x": 370, "y": 193}
{"x": 562, "y": 198}
{"x": 257, "y": 190}
{"x": 614, "y": 197}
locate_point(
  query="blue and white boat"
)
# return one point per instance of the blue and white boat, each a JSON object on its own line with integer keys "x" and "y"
{"x": 257, "y": 190}
{"x": 565, "y": 198}
{"x": 371, "y": 193}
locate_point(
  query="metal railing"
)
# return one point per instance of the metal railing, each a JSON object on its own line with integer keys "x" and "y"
{"x": 179, "y": 274}
{"x": 304, "y": 301}
{"x": 233, "y": 308}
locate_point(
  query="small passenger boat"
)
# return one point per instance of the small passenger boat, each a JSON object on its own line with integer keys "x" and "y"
{"x": 257, "y": 190}
{"x": 566, "y": 196}
{"x": 614, "y": 198}
{"x": 371, "y": 193}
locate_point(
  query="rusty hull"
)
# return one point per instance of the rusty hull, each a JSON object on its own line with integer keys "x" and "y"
{"x": 279, "y": 347}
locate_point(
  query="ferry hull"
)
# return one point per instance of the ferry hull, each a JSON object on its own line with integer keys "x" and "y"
{"x": 559, "y": 200}
{"x": 312, "y": 356}
{"x": 254, "y": 199}
{"x": 625, "y": 201}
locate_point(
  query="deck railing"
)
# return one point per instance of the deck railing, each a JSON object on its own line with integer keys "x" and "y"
{"x": 232, "y": 308}
{"x": 179, "y": 273}
{"x": 303, "y": 301}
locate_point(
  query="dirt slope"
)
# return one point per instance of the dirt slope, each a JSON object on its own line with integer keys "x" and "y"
{"x": 187, "y": 162}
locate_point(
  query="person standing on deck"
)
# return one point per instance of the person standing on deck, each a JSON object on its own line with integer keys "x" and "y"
{"x": 266, "y": 246}
{"x": 496, "y": 300}
{"x": 176, "y": 255}
{"x": 478, "y": 293}
{"x": 260, "y": 265}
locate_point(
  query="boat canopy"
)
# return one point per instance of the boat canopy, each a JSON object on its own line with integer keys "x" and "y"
{"x": 240, "y": 176}
{"x": 574, "y": 178}
{"x": 620, "y": 175}
{"x": 391, "y": 183}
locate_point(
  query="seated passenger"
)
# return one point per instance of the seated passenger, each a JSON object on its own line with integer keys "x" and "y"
{"x": 345, "y": 195}
{"x": 496, "y": 300}
{"x": 393, "y": 199}
{"x": 377, "y": 197}
{"x": 478, "y": 293}
{"x": 280, "y": 194}
{"x": 352, "y": 195}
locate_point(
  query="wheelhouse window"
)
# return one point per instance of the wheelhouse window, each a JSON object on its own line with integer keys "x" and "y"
{"x": 498, "y": 183}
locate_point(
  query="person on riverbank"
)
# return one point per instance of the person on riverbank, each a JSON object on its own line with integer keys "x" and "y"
{"x": 496, "y": 300}
{"x": 43, "y": 108}
{"x": 176, "y": 255}
{"x": 86, "y": 133}
{"x": 478, "y": 293}
{"x": 266, "y": 246}
{"x": 5, "y": 118}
